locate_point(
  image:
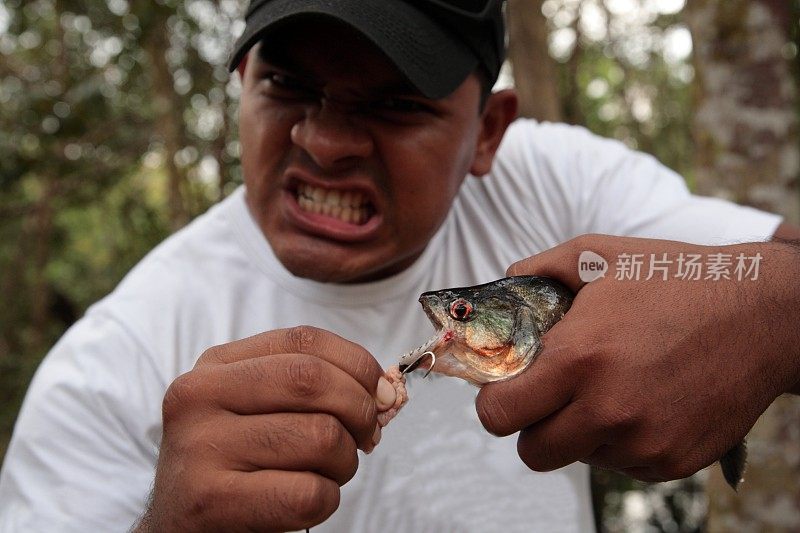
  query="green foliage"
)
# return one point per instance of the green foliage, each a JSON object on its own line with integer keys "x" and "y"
{"x": 96, "y": 97}
{"x": 626, "y": 75}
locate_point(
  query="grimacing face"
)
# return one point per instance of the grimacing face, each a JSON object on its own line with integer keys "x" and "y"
{"x": 349, "y": 171}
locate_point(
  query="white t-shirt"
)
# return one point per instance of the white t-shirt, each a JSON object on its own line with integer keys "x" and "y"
{"x": 85, "y": 444}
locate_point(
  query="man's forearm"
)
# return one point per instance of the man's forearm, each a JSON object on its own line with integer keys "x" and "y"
{"x": 789, "y": 235}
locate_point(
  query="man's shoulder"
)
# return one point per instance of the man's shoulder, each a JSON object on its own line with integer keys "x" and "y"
{"x": 560, "y": 157}
{"x": 186, "y": 272}
{"x": 193, "y": 251}
{"x": 554, "y": 139}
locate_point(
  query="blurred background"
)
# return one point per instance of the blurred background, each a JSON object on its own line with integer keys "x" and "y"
{"x": 118, "y": 126}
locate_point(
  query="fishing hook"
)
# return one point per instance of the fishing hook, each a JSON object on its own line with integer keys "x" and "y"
{"x": 433, "y": 362}
{"x": 413, "y": 366}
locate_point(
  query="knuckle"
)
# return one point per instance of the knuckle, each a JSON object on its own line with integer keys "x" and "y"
{"x": 180, "y": 394}
{"x": 314, "y": 499}
{"x": 304, "y": 337}
{"x": 214, "y": 354}
{"x": 204, "y": 503}
{"x": 584, "y": 358}
{"x": 305, "y": 377}
{"x": 328, "y": 434}
{"x": 520, "y": 267}
{"x": 587, "y": 240}
{"x": 653, "y": 454}
{"x": 493, "y": 414}
{"x": 611, "y": 417}
{"x": 579, "y": 243}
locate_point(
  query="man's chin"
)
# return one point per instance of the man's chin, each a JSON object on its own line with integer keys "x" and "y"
{"x": 324, "y": 269}
{"x": 332, "y": 262}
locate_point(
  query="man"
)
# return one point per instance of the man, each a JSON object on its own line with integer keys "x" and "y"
{"x": 359, "y": 122}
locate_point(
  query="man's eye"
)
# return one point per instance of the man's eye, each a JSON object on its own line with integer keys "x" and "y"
{"x": 283, "y": 85}
{"x": 282, "y": 80}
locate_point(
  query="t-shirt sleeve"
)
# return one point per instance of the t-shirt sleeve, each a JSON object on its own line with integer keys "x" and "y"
{"x": 605, "y": 187}
{"x": 82, "y": 454}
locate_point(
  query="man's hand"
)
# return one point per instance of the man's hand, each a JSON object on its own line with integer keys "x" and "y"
{"x": 261, "y": 434}
{"x": 653, "y": 378}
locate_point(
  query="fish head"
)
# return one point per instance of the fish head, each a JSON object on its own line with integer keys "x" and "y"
{"x": 484, "y": 333}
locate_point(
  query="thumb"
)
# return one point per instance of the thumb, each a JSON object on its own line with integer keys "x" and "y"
{"x": 563, "y": 262}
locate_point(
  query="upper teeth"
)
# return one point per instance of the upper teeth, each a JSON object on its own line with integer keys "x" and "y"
{"x": 349, "y": 206}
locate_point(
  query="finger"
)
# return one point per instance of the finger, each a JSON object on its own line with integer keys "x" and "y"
{"x": 611, "y": 457}
{"x": 296, "y": 383}
{"x": 346, "y": 355}
{"x": 645, "y": 473}
{"x": 559, "y": 263}
{"x": 312, "y": 442}
{"x": 506, "y": 407}
{"x": 561, "y": 439}
{"x": 272, "y": 500}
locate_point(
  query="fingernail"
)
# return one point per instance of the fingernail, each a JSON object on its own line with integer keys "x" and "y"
{"x": 386, "y": 394}
{"x": 376, "y": 436}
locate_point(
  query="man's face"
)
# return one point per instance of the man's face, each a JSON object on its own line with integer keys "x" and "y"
{"x": 349, "y": 171}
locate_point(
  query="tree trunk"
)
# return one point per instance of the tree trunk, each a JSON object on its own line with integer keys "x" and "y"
{"x": 534, "y": 71}
{"x": 745, "y": 125}
{"x": 169, "y": 123}
{"x": 42, "y": 234}
{"x": 746, "y": 135}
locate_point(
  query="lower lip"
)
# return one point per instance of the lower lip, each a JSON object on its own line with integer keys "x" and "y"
{"x": 329, "y": 227}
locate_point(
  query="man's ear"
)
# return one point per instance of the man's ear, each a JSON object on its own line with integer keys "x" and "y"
{"x": 499, "y": 111}
{"x": 242, "y": 65}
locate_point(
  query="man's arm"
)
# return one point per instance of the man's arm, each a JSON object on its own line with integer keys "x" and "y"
{"x": 789, "y": 234}
{"x": 656, "y": 377}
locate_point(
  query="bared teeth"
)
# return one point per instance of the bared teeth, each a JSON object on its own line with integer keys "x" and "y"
{"x": 348, "y": 206}
{"x": 333, "y": 198}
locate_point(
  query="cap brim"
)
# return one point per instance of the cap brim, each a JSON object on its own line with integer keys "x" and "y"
{"x": 432, "y": 60}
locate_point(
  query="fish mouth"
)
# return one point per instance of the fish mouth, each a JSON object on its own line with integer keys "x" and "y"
{"x": 430, "y": 304}
{"x": 414, "y": 359}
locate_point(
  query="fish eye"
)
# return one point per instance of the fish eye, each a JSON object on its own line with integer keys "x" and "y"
{"x": 460, "y": 309}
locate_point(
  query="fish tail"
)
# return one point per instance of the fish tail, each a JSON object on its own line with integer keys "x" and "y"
{"x": 733, "y": 463}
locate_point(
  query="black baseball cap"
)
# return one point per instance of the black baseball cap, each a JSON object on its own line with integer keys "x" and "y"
{"x": 435, "y": 44}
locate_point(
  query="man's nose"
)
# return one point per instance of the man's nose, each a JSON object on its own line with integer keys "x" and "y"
{"x": 331, "y": 137}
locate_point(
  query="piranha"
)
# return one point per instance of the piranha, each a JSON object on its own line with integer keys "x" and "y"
{"x": 493, "y": 332}
{"x": 488, "y": 332}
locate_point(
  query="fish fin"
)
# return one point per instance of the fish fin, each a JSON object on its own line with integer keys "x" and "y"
{"x": 525, "y": 337}
{"x": 733, "y": 463}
